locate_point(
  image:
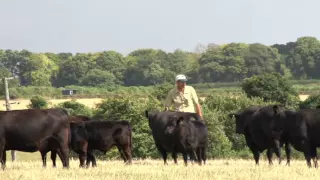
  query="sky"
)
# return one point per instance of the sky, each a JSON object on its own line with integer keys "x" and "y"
{"x": 126, "y": 25}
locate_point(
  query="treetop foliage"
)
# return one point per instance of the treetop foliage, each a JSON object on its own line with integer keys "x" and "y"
{"x": 212, "y": 63}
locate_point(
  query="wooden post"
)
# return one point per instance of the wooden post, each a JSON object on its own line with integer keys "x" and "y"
{"x": 8, "y": 107}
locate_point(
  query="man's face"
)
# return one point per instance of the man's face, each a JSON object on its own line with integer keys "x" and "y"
{"x": 180, "y": 84}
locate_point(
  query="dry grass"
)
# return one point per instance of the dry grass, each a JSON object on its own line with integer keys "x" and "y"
{"x": 23, "y": 103}
{"x": 154, "y": 169}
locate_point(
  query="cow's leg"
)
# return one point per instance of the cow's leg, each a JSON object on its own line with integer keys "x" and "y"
{"x": 191, "y": 156}
{"x": 60, "y": 156}
{"x": 128, "y": 153}
{"x": 123, "y": 156}
{"x": 198, "y": 151}
{"x": 313, "y": 154}
{"x": 204, "y": 155}
{"x": 82, "y": 157}
{"x": 185, "y": 158}
{"x": 277, "y": 150}
{"x": 288, "y": 152}
{"x": 269, "y": 155}
{"x": 4, "y": 160}
{"x": 44, "y": 159}
{"x": 175, "y": 157}
{"x": 53, "y": 158}
{"x": 256, "y": 154}
{"x": 13, "y": 155}
{"x": 194, "y": 156}
{"x": 308, "y": 159}
{"x": 163, "y": 153}
{"x": 90, "y": 157}
{"x": 253, "y": 148}
{"x": 44, "y": 150}
{"x": 306, "y": 151}
{"x": 2, "y": 153}
{"x": 63, "y": 147}
{"x": 164, "y": 156}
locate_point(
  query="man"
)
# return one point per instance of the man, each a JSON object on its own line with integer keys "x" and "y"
{"x": 183, "y": 98}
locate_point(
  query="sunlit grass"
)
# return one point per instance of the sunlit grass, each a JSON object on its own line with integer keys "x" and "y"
{"x": 25, "y": 168}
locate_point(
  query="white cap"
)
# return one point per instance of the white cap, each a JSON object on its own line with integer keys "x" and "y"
{"x": 181, "y": 77}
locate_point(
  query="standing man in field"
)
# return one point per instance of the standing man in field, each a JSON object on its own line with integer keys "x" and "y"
{"x": 183, "y": 98}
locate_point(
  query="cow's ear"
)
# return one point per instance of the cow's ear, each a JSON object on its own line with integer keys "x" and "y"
{"x": 180, "y": 120}
{"x": 146, "y": 113}
{"x": 276, "y": 109}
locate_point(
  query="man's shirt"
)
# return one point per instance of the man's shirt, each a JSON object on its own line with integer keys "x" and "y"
{"x": 183, "y": 102}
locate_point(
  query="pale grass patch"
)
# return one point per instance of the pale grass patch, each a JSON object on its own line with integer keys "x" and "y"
{"x": 155, "y": 170}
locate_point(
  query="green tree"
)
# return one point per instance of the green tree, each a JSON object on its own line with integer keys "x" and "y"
{"x": 96, "y": 77}
{"x": 223, "y": 63}
{"x": 304, "y": 58}
{"x": 270, "y": 87}
{"x": 39, "y": 70}
{"x": 260, "y": 59}
{"x": 72, "y": 70}
{"x": 113, "y": 62}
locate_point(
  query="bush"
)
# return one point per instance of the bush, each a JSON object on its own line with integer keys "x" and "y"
{"x": 132, "y": 109}
{"x": 75, "y": 108}
{"x": 161, "y": 91}
{"x": 216, "y": 107}
{"x": 271, "y": 87}
{"x": 312, "y": 101}
{"x": 38, "y": 102}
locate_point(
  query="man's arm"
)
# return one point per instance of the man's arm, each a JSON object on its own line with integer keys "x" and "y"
{"x": 168, "y": 101}
{"x": 196, "y": 102}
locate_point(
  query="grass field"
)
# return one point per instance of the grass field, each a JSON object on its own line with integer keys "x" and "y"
{"x": 23, "y": 103}
{"x": 155, "y": 170}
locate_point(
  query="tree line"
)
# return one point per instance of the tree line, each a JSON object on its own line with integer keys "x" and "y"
{"x": 212, "y": 63}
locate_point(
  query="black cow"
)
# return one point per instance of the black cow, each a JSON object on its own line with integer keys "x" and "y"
{"x": 29, "y": 130}
{"x": 189, "y": 137}
{"x": 158, "y": 123}
{"x": 72, "y": 119}
{"x": 256, "y": 138}
{"x": 202, "y": 135}
{"x": 301, "y": 128}
{"x": 101, "y": 135}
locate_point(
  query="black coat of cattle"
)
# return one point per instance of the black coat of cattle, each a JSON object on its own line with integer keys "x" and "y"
{"x": 301, "y": 128}
{"x": 175, "y": 132}
{"x": 30, "y": 130}
{"x": 88, "y": 135}
{"x": 257, "y": 132}
{"x": 72, "y": 119}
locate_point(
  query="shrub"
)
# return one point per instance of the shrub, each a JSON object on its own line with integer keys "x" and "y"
{"x": 38, "y": 102}
{"x": 270, "y": 87}
{"x": 75, "y": 108}
{"x": 132, "y": 109}
{"x": 220, "y": 105}
{"x": 161, "y": 91}
{"x": 312, "y": 101}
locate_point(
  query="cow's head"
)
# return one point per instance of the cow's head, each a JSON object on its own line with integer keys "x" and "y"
{"x": 173, "y": 124}
{"x": 277, "y": 123}
{"x": 78, "y": 131}
{"x": 239, "y": 122}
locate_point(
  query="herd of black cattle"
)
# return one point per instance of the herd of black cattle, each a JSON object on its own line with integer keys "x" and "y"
{"x": 53, "y": 130}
